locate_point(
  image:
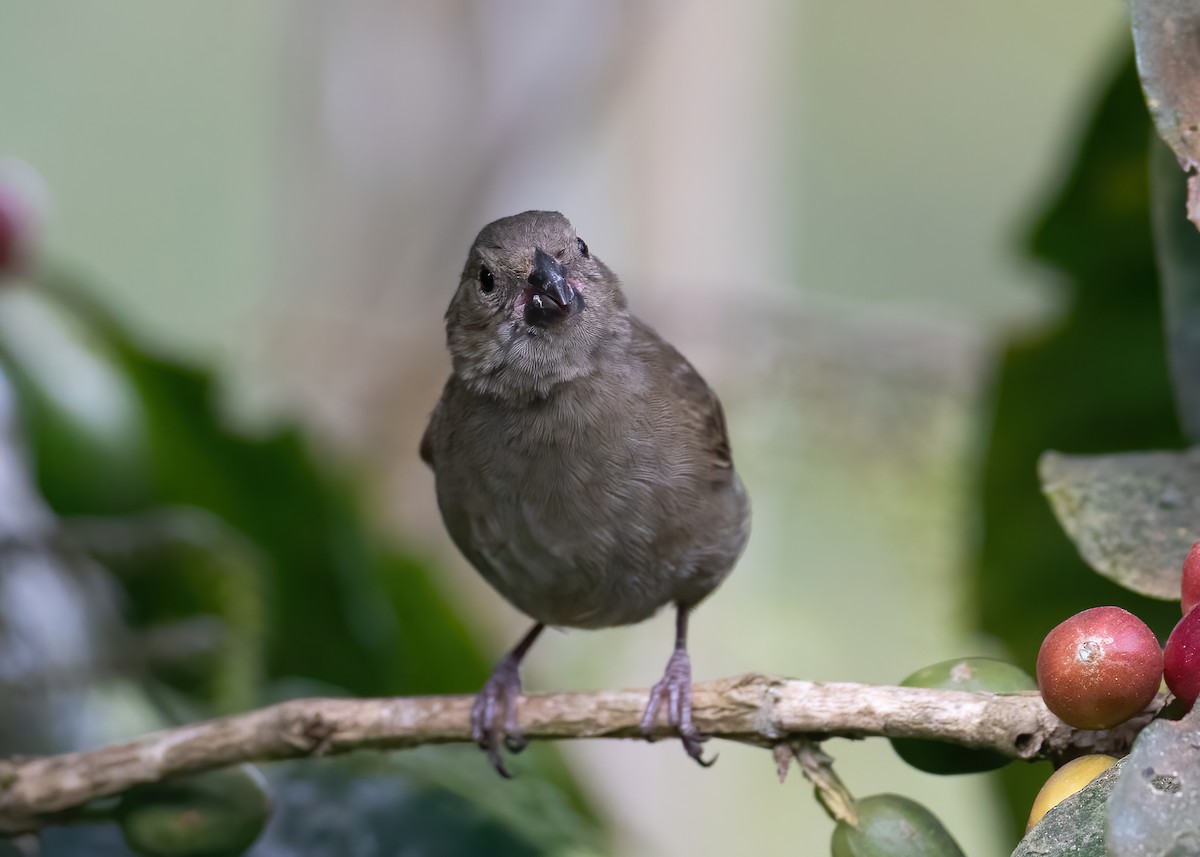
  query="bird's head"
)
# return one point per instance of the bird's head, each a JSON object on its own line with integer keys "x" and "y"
{"x": 532, "y": 308}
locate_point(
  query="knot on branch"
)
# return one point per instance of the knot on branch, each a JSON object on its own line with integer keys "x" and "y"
{"x": 309, "y": 733}
{"x": 1027, "y": 745}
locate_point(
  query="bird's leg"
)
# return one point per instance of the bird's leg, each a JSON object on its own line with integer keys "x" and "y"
{"x": 675, "y": 689}
{"x": 494, "y": 714}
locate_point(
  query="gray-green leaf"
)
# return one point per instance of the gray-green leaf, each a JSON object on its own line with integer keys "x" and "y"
{"x": 1075, "y": 826}
{"x": 1154, "y": 809}
{"x": 1132, "y": 516}
{"x": 1165, "y": 34}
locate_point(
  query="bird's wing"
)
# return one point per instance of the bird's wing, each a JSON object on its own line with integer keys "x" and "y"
{"x": 432, "y": 429}
{"x": 427, "y": 441}
{"x": 699, "y": 407}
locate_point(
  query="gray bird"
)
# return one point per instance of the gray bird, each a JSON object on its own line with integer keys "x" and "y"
{"x": 582, "y": 465}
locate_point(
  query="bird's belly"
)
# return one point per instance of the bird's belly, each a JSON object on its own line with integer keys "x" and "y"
{"x": 593, "y": 533}
{"x": 561, "y": 567}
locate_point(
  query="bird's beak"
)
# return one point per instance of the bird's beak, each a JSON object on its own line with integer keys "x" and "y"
{"x": 550, "y": 297}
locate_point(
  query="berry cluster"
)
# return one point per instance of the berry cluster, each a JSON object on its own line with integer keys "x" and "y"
{"x": 1103, "y": 666}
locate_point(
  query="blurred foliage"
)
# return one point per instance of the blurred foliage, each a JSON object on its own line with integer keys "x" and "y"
{"x": 253, "y": 552}
{"x": 392, "y": 816}
{"x": 363, "y": 804}
{"x": 215, "y": 814}
{"x": 1095, "y": 381}
{"x": 352, "y": 807}
{"x": 341, "y": 609}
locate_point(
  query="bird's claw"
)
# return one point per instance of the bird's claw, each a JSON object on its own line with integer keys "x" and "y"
{"x": 675, "y": 689}
{"x": 494, "y": 716}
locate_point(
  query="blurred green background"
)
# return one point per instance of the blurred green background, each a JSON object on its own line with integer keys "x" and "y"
{"x": 258, "y": 211}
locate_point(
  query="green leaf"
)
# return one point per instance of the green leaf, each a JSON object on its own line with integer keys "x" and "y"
{"x": 1177, "y": 251}
{"x": 892, "y": 826}
{"x": 1075, "y": 826}
{"x": 1133, "y": 517}
{"x": 1154, "y": 810}
{"x": 986, "y": 674}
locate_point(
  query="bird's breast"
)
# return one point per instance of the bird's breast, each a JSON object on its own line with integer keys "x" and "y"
{"x": 583, "y": 517}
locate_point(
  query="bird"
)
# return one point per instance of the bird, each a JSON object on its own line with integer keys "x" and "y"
{"x": 582, "y": 465}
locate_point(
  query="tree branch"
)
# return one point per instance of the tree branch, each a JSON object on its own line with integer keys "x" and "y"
{"x": 752, "y": 709}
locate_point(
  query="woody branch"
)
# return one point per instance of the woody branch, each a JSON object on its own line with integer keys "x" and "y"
{"x": 750, "y": 709}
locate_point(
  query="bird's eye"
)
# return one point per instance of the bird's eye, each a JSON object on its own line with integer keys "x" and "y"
{"x": 487, "y": 282}
{"x": 583, "y": 250}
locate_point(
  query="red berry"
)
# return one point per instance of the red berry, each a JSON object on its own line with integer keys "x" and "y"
{"x": 1191, "y": 579}
{"x": 1099, "y": 668}
{"x": 22, "y": 212}
{"x": 11, "y": 237}
{"x": 1181, "y": 658}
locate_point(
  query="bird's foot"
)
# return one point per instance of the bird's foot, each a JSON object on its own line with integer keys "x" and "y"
{"x": 494, "y": 715}
{"x": 675, "y": 689}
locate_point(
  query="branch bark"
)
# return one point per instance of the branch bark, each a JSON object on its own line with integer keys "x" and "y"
{"x": 751, "y": 709}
